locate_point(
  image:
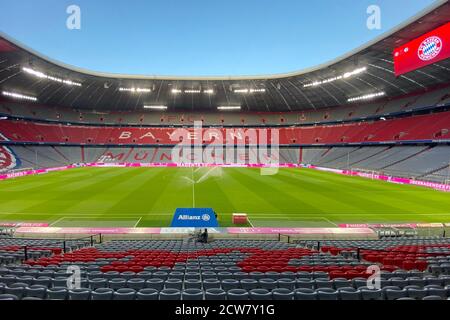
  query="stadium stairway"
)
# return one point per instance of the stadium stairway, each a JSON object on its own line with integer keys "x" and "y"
{"x": 231, "y": 269}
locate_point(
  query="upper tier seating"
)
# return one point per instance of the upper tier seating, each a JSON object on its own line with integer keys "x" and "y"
{"x": 236, "y": 270}
{"x": 424, "y": 127}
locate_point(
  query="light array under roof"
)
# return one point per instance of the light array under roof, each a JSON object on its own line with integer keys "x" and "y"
{"x": 227, "y": 108}
{"x": 42, "y": 75}
{"x": 136, "y": 90}
{"x": 367, "y": 96}
{"x": 261, "y": 90}
{"x": 192, "y": 91}
{"x": 344, "y": 76}
{"x": 18, "y": 96}
{"x": 156, "y": 107}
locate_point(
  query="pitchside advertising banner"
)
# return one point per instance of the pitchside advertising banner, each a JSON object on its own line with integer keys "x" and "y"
{"x": 194, "y": 218}
{"x": 425, "y": 50}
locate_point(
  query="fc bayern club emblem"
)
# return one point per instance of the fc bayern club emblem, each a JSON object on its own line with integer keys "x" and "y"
{"x": 8, "y": 159}
{"x": 430, "y": 48}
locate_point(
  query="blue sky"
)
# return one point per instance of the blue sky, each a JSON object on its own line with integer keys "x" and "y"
{"x": 199, "y": 37}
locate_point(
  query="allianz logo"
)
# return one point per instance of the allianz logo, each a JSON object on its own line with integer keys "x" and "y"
{"x": 204, "y": 217}
{"x": 188, "y": 217}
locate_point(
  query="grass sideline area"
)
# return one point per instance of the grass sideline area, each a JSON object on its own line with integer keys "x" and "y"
{"x": 148, "y": 197}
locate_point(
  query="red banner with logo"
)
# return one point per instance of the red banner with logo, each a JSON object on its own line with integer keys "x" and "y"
{"x": 425, "y": 50}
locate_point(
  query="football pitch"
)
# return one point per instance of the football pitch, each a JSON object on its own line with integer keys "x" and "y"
{"x": 148, "y": 197}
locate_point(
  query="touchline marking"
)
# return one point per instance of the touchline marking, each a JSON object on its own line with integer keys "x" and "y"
{"x": 296, "y": 219}
{"x": 56, "y": 221}
{"x": 137, "y": 223}
{"x": 263, "y": 214}
{"x": 82, "y": 215}
{"x": 329, "y": 221}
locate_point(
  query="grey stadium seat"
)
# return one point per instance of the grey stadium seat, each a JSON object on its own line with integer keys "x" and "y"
{"x": 36, "y": 291}
{"x": 102, "y": 294}
{"x": 192, "y": 284}
{"x": 211, "y": 284}
{"x": 305, "y": 294}
{"x": 286, "y": 283}
{"x": 416, "y": 293}
{"x": 267, "y": 283}
{"x": 394, "y": 294}
{"x": 249, "y": 284}
{"x": 260, "y": 294}
{"x": 57, "y": 293}
{"x": 8, "y": 297}
{"x": 348, "y": 293}
{"x": 97, "y": 283}
{"x": 371, "y": 294}
{"x": 282, "y": 294}
{"x": 147, "y": 294}
{"x": 124, "y": 294}
{"x": 155, "y": 283}
{"x": 117, "y": 283}
{"x": 228, "y": 284}
{"x": 432, "y": 298}
{"x": 173, "y": 284}
{"x": 136, "y": 283}
{"x": 215, "y": 294}
{"x": 192, "y": 294}
{"x": 237, "y": 294}
{"x": 327, "y": 294}
{"x": 170, "y": 294}
{"x": 80, "y": 294}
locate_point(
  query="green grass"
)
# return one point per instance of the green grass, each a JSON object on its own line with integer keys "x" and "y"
{"x": 144, "y": 197}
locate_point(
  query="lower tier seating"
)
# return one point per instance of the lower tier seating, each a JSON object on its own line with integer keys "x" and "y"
{"x": 235, "y": 270}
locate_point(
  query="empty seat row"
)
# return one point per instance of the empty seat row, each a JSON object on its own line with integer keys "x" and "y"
{"x": 61, "y": 293}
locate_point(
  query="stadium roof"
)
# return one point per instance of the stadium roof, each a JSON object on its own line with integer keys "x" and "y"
{"x": 24, "y": 71}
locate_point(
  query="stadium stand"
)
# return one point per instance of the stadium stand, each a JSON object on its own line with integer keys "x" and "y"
{"x": 419, "y": 162}
{"x": 402, "y": 129}
{"x": 416, "y": 268}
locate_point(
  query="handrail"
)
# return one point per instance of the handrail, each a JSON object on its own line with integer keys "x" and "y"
{"x": 62, "y": 242}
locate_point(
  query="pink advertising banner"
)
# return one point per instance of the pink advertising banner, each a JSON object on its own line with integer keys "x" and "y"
{"x": 22, "y": 224}
{"x": 299, "y": 231}
{"x": 394, "y": 225}
{"x": 427, "y": 184}
{"x": 318, "y": 231}
{"x": 13, "y": 175}
{"x": 52, "y": 230}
